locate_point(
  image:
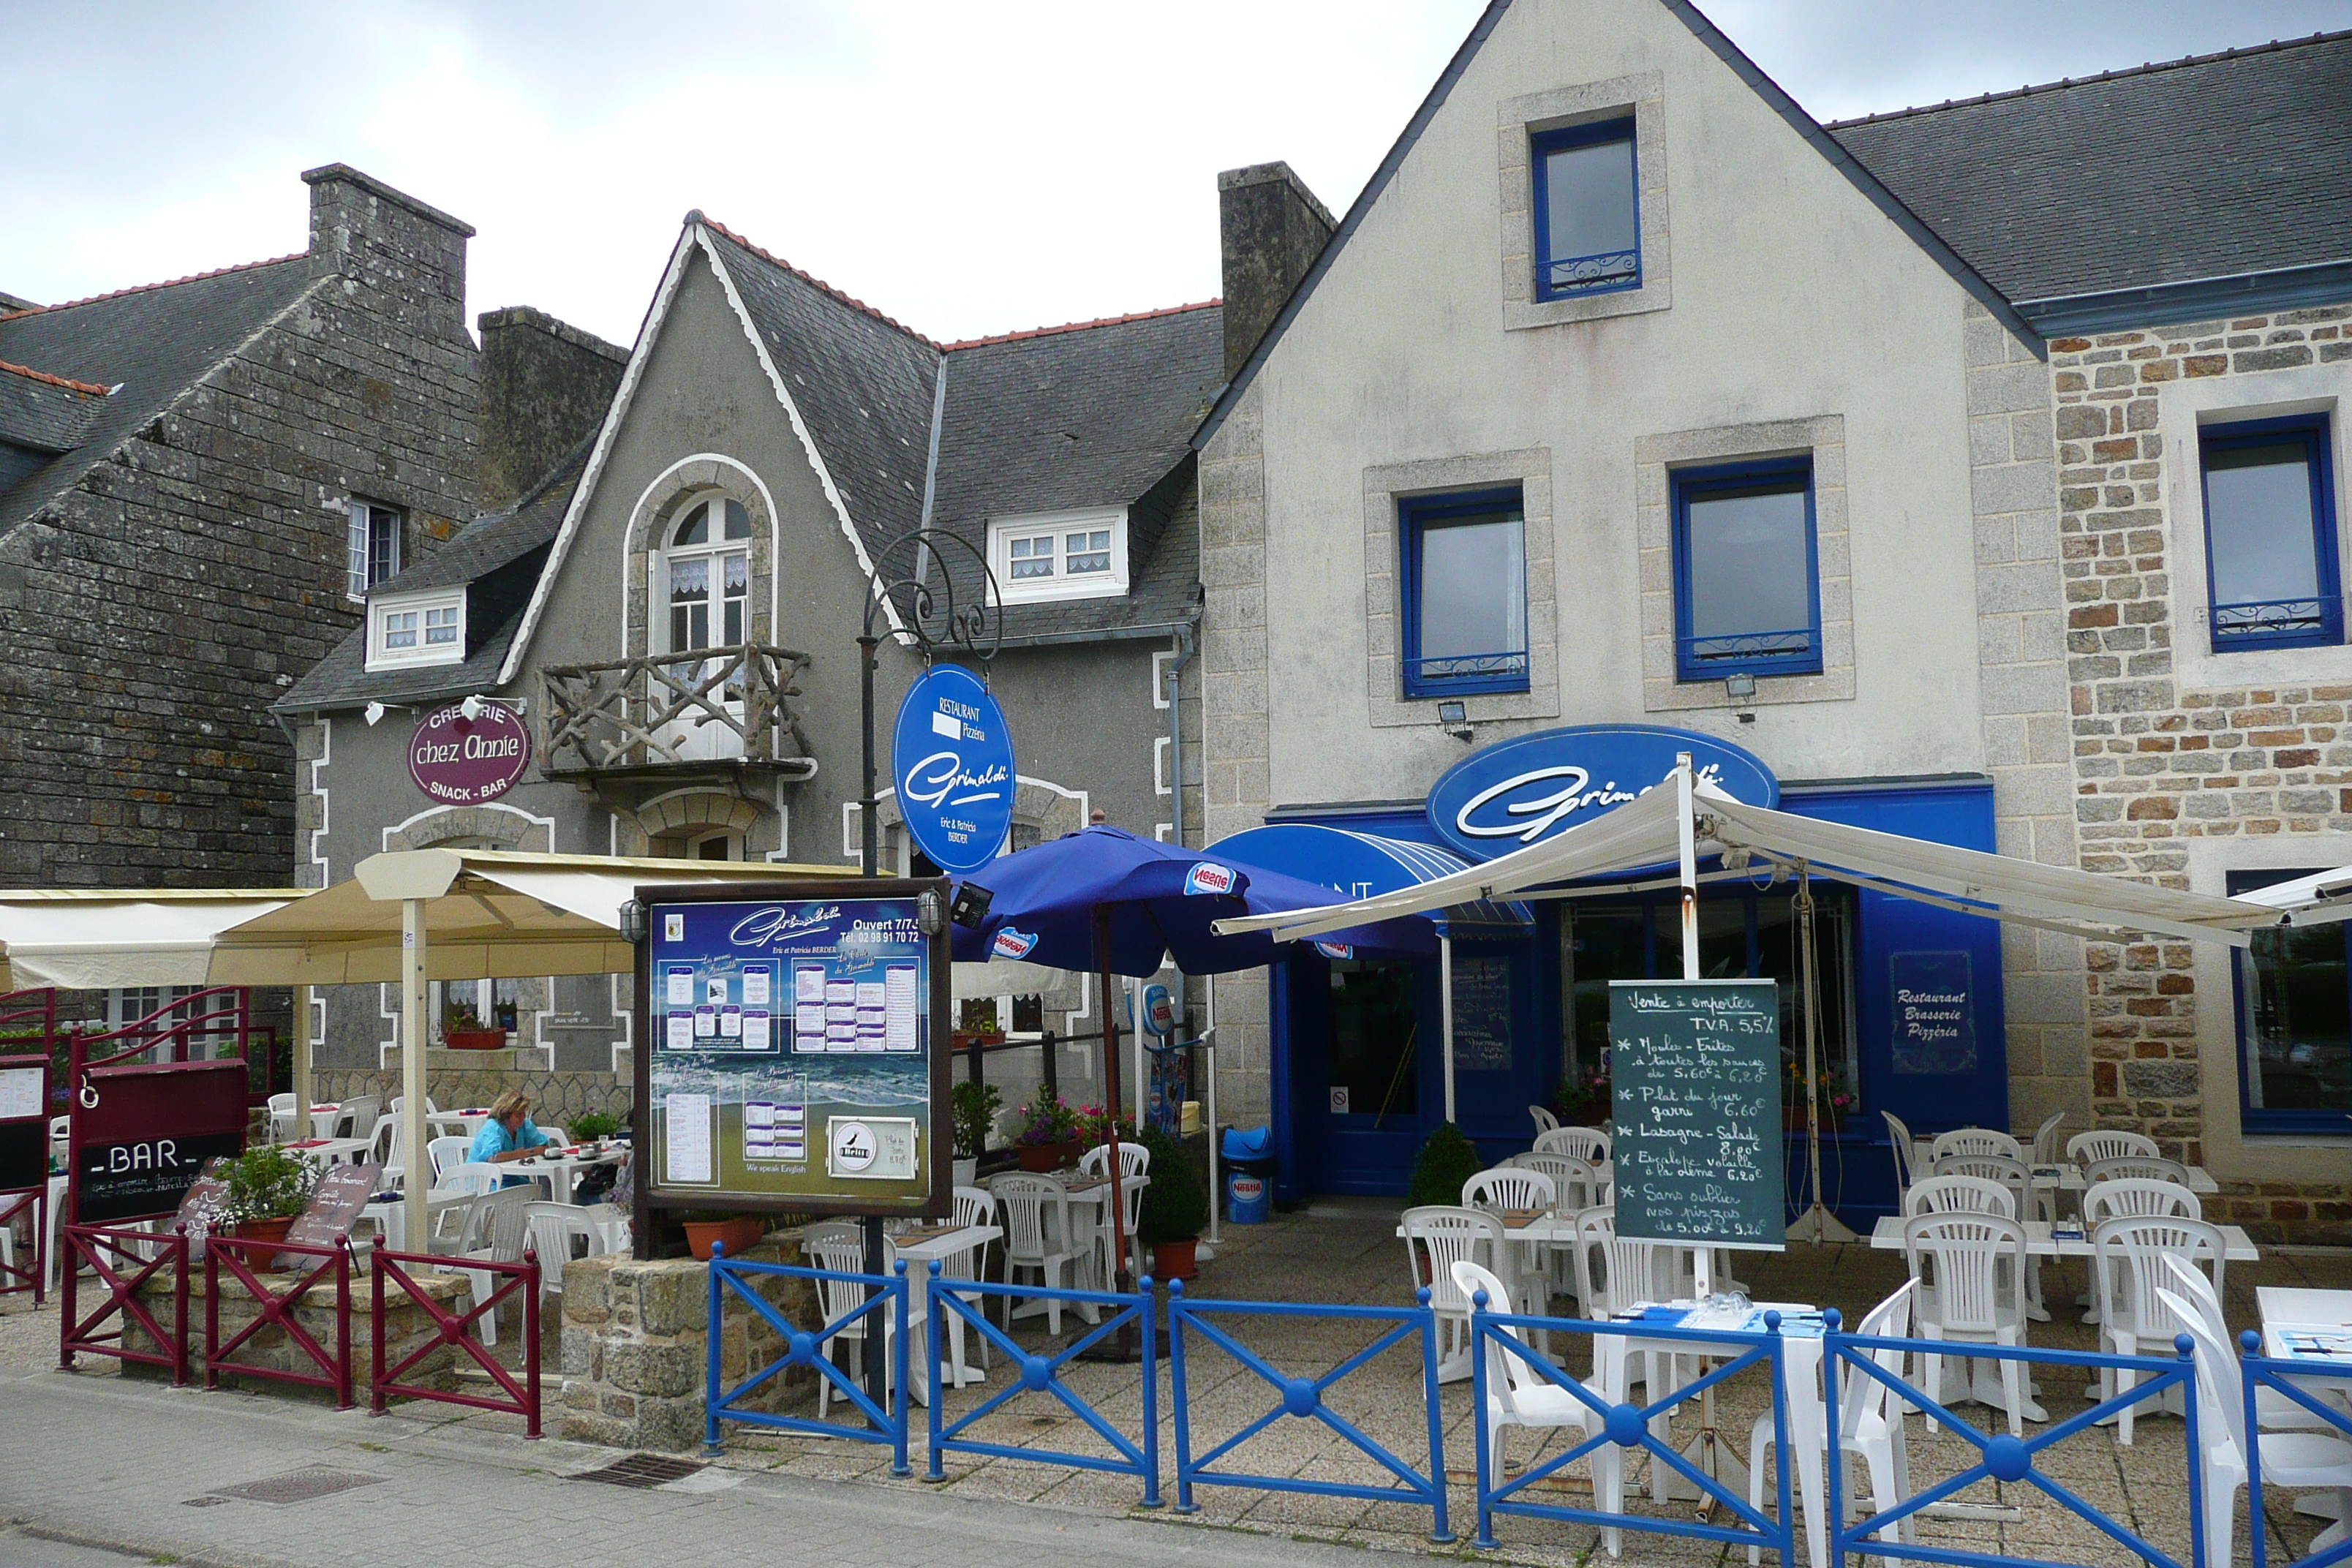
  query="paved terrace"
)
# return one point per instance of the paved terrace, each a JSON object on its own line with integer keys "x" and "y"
{"x": 1345, "y": 1252}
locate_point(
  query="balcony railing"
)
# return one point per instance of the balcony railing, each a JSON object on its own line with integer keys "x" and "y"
{"x": 714, "y": 705}
{"x": 2278, "y": 622}
{"x": 1566, "y": 277}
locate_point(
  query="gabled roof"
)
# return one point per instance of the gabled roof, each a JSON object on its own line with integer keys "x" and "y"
{"x": 46, "y": 412}
{"x": 500, "y": 537}
{"x": 150, "y": 344}
{"x": 2212, "y": 167}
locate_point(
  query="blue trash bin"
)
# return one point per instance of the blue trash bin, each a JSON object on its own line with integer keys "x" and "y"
{"x": 1249, "y": 1177}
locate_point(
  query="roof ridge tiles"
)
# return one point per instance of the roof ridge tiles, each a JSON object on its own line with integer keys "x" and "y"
{"x": 150, "y": 288}
{"x": 2149, "y": 69}
{"x": 810, "y": 278}
{"x": 1082, "y": 326}
{"x": 47, "y": 379}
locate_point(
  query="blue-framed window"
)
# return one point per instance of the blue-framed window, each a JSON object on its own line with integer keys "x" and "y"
{"x": 1464, "y": 573}
{"x": 1748, "y": 595}
{"x": 2269, "y": 534}
{"x": 2294, "y": 1022}
{"x": 1588, "y": 210}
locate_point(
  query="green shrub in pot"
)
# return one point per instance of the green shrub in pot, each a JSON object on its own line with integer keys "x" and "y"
{"x": 265, "y": 1183}
{"x": 1447, "y": 1160}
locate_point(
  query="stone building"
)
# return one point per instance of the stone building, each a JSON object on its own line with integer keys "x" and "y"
{"x": 673, "y": 615}
{"x": 1629, "y": 406}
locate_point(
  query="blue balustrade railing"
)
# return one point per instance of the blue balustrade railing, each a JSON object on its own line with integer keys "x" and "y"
{"x": 1035, "y": 1372}
{"x": 1616, "y": 1429}
{"x": 2001, "y": 1457}
{"x": 883, "y": 1314}
{"x": 1305, "y": 1399}
{"x": 2296, "y": 1385}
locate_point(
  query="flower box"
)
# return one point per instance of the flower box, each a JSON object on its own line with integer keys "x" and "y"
{"x": 474, "y": 1040}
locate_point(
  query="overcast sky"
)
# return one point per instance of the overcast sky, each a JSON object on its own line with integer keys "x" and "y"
{"x": 969, "y": 168}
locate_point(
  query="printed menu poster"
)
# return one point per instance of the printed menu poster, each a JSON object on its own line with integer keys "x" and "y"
{"x": 774, "y": 1026}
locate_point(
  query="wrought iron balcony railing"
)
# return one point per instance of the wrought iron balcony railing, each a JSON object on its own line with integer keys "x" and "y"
{"x": 715, "y": 705}
{"x": 1574, "y": 275}
{"x": 1759, "y": 647}
{"x": 2312, "y": 620}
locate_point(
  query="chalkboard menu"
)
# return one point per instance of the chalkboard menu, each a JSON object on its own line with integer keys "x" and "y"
{"x": 333, "y": 1209}
{"x": 1695, "y": 1091}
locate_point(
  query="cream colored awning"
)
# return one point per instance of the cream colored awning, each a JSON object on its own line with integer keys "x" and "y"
{"x": 89, "y": 939}
{"x": 489, "y": 915}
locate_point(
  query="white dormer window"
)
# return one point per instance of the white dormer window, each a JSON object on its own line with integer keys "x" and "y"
{"x": 418, "y": 628}
{"x": 1059, "y": 554}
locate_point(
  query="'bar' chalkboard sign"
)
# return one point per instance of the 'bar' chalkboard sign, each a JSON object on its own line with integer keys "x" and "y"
{"x": 1694, "y": 1076}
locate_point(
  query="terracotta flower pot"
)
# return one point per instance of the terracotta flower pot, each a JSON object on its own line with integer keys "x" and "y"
{"x": 737, "y": 1236}
{"x": 265, "y": 1229}
{"x": 1041, "y": 1157}
{"x": 1173, "y": 1260}
{"x": 474, "y": 1040}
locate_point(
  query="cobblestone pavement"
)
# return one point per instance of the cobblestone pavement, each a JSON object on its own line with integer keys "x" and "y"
{"x": 1345, "y": 1252}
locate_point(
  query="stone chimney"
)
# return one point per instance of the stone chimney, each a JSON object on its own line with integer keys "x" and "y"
{"x": 545, "y": 388}
{"x": 374, "y": 237}
{"x": 1271, "y": 229}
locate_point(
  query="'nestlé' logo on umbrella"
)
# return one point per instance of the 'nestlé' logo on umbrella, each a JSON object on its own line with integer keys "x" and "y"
{"x": 1010, "y": 944}
{"x": 1208, "y": 877}
{"x": 463, "y": 762}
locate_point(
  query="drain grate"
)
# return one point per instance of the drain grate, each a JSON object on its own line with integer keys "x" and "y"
{"x": 643, "y": 1471}
{"x": 297, "y": 1486}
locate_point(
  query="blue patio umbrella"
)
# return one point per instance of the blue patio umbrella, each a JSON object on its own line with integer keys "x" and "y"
{"x": 1156, "y": 899}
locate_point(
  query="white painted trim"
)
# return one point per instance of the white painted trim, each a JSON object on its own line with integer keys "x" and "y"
{"x": 638, "y": 357}
{"x": 655, "y": 554}
{"x": 1159, "y": 765}
{"x": 1159, "y": 662}
{"x": 1059, "y": 589}
{"x": 379, "y": 657}
{"x": 800, "y": 425}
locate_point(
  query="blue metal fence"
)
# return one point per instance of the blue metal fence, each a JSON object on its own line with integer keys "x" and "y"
{"x": 885, "y": 1310}
{"x": 1999, "y": 1456}
{"x": 1496, "y": 1339}
{"x": 2296, "y": 1384}
{"x": 1304, "y": 1398}
{"x": 1038, "y": 1373}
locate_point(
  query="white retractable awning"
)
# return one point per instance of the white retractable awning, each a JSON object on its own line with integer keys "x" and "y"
{"x": 79, "y": 940}
{"x": 1643, "y": 835}
{"x": 489, "y": 915}
{"x": 2323, "y": 898}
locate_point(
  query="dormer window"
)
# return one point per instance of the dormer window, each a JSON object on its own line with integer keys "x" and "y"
{"x": 418, "y": 628}
{"x": 1059, "y": 555}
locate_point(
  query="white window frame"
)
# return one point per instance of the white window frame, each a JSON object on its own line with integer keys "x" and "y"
{"x": 423, "y": 605}
{"x": 1003, "y": 530}
{"x": 358, "y": 553}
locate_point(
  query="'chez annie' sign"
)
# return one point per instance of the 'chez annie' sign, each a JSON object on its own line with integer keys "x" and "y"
{"x": 1523, "y": 790}
{"x": 459, "y": 760}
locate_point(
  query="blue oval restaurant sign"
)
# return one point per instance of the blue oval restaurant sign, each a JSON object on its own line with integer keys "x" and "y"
{"x": 1538, "y": 786}
{"x": 952, "y": 762}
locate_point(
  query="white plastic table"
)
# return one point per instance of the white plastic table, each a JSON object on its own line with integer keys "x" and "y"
{"x": 1886, "y": 1235}
{"x": 331, "y": 1150}
{"x": 918, "y": 1256}
{"x": 561, "y": 1171}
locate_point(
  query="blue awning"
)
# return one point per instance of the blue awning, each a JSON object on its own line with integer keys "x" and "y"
{"x": 1363, "y": 865}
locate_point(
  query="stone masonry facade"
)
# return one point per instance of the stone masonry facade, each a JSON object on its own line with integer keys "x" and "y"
{"x": 2164, "y": 757}
{"x": 155, "y": 612}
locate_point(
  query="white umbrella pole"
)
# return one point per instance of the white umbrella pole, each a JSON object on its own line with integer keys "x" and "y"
{"x": 301, "y": 1061}
{"x": 1216, "y": 1191}
{"x": 1142, "y": 1073}
{"x": 1687, "y": 844}
{"x": 1445, "y": 1007}
{"x": 414, "y": 999}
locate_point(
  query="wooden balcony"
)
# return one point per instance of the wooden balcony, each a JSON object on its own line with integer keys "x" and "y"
{"x": 718, "y": 709}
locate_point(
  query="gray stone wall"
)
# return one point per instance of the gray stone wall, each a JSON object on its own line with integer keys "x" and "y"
{"x": 545, "y": 386}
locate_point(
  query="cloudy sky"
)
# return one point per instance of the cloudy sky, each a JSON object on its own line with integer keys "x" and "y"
{"x": 970, "y": 167}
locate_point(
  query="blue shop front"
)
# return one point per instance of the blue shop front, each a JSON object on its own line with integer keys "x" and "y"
{"x": 1910, "y": 1005}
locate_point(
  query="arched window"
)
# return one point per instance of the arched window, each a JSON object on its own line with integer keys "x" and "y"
{"x": 708, "y": 568}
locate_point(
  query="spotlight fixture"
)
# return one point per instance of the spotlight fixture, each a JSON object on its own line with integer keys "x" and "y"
{"x": 1454, "y": 718}
{"x": 635, "y": 922}
{"x": 970, "y": 906}
{"x": 374, "y": 712}
{"x": 471, "y": 709}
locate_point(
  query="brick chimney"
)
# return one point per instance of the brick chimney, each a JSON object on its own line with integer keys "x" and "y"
{"x": 1271, "y": 228}
{"x": 545, "y": 388}
{"x": 375, "y": 236}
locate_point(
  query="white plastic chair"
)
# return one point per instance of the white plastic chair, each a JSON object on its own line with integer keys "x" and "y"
{"x": 1436, "y": 1238}
{"x": 1027, "y": 1237}
{"x": 1906, "y": 1154}
{"x": 1134, "y": 1160}
{"x": 2108, "y": 1143}
{"x": 1870, "y": 1425}
{"x": 973, "y": 1206}
{"x": 1545, "y": 1120}
{"x": 1976, "y": 1141}
{"x": 498, "y": 1233}
{"x": 1959, "y": 1194}
{"x": 1977, "y": 1295}
{"x": 281, "y": 1119}
{"x": 1613, "y": 1274}
{"x": 557, "y": 1137}
{"x": 2129, "y": 1271}
{"x": 2138, "y": 1195}
{"x": 2045, "y": 1139}
{"x": 442, "y": 1156}
{"x": 1590, "y": 1145}
{"x": 1502, "y": 1191}
{"x": 1520, "y": 1396}
{"x": 555, "y": 1228}
{"x": 355, "y": 1117}
{"x": 1575, "y": 1184}
{"x": 2273, "y": 1411}
{"x": 613, "y": 1226}
{"x": 388, "y": 1147}
{"x": 2135, "y": 1167}
{"x": 2291, "y": 1461}
{"x": 843, "y": 1252}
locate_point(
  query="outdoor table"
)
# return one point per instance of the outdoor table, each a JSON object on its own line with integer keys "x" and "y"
{"x": 1093, "y": 1195}
{"x": 331, "y": 1150}
{"x": 2295, "y": 1310}
{"x": 919, "y": 1248}
{"x": 322, "y": 1120}
{"x": 2062, "y": 1176}
{"x": 1886, "y": 1235}
{"x": 561, "y": 1171}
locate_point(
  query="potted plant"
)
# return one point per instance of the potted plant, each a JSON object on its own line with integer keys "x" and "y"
{"x": 268, "y": 1187}
{"x": 1045, "y": 1134}
{"x": 739, "y": 1233}
{"x": 1583, "y": 1101}
{"x": 462, "y": 1030}
{"x": 590, "y": 1126}
{"x": 1093, "y": 1125}
{"x": 1833, "y": 1103}
{"x": 1174, "y": 1210}
{"x": 972, "y": 1109}
{"x": 1447, "y": 1160}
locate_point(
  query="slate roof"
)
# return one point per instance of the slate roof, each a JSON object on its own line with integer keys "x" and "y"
{"x": 2207, "y": 167}
{"x": 149, "y": 343}
{"x": 341, "y": 679}
{"x": 46, "y": 412}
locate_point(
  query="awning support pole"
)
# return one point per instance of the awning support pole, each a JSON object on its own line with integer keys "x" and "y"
{"x": 1445, "y": 1009}
{"x": 1687, "y": 846}
{"x": 416, "y": 997}
{"x": 301, "y": 1061}
{"x": 1216, "y": 1191}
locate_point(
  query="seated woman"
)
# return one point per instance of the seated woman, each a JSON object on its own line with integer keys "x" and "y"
{"x": 509, "y": 1134}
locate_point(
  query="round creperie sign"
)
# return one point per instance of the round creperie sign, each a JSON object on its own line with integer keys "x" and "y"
{"x": 463, "y": 762}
